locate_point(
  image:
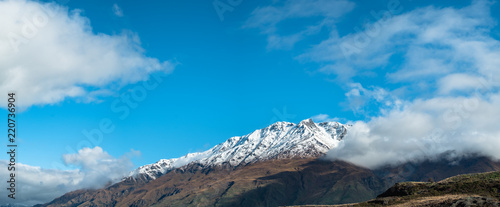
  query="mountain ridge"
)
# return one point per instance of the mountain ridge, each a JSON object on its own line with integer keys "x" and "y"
{"x": 277, "y": 165}
{"x": 278, "y": 182}
{"x": 279, "y": 140}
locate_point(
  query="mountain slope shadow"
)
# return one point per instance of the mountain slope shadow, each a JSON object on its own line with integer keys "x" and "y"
{"x": 319, "y": 182}
{"x": 437, "y": 169}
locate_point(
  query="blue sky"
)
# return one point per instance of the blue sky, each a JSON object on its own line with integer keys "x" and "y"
{"x": 228, "y": 80}
{"x": 265, "y": 61}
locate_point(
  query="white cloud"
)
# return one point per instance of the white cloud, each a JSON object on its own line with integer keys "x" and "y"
{"x": 417, "y": 47}
{"x": 359, "y": 98}
{"x": 117, "y": 10}
{"x": 429, "y": 42}
{"x": 425, "y": 129}
{"x": 35, "y": 185}
{"x": 462, "y": 82}
{"x": 268, "y": 19}
{"x": 48, "y": 54}
{"x": 98, "y": 166}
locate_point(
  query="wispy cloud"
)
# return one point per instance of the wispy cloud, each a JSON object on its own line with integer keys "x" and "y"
{"x": 451, "y": 52}
{"x": 49, "y": 54}
{"x": 359, "y": 99}
{"x": 435, "y": 74}
{"x": 95, "y": 169}
{"x": 428, "y": 44}
{"x": 267, "y": 19}
{"x": 324, "y": 118}
{"x": 117, "y": 10}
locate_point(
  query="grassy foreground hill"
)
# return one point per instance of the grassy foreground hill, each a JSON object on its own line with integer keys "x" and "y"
{"x": 480, "y": 189}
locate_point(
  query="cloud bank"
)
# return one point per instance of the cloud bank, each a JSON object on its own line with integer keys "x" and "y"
{"x": 35, "y": 185}
{"x": 49, "y": 54}
{"x": 425, "y": 129}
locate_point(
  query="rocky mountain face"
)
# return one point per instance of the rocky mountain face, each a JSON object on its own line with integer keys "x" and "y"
{"x": 280, "y": 140}
{"x": 267, "y": 183}
{"x": 274, "y": 166}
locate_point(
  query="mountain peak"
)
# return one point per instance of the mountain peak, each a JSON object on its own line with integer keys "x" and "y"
{"x": 306, "y": 122}
{"x": 279, "y": 140}
{"x": 280, "y": 125}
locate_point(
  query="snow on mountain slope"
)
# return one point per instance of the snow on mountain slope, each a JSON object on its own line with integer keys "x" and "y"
{"x": 277, "y": 141}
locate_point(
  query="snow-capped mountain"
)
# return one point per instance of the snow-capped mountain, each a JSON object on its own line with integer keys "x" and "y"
{"x": 277, "y": 141}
